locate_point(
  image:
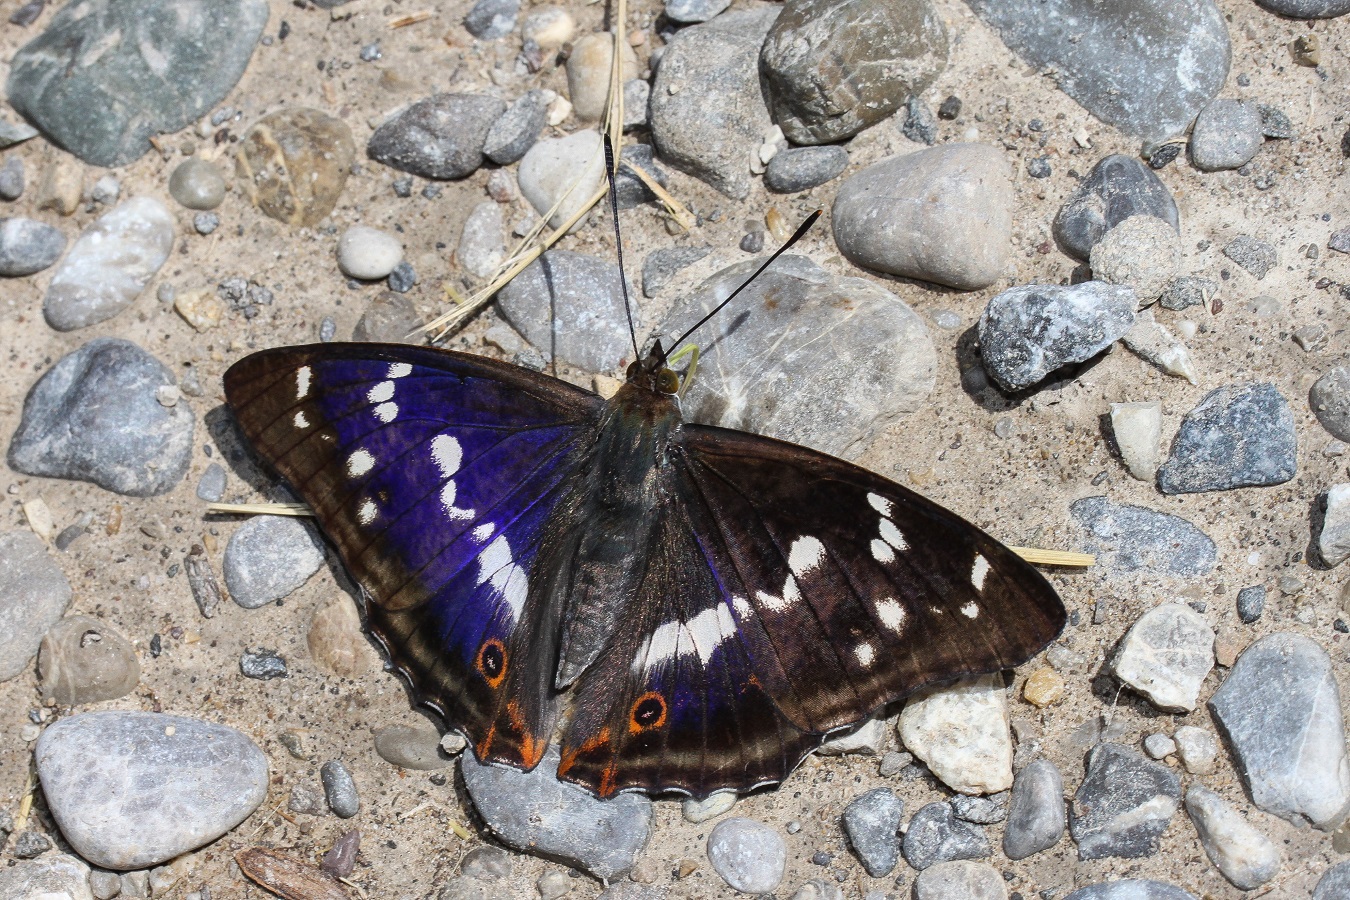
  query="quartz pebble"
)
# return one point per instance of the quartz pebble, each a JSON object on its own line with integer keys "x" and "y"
{"x": 58, "y": 877}
{"x": 208, "y": 778}
{"x": 335, "y": 639}
{"x": 1137, "y": 428}
{"x": 567, "y": 169}
{"x": 197, "y": 184}
{"x": 481, "y": 246}
{"x": 1166, "y": 655}
{"x": 1117, "y": 188}
{"x": 411, "y": 747}
{"x": 1226, "y": 135}
{"x": 1159, "y": 746}
{"x": 368, "y": 253}
{"x": 1130, "y": 539}
{"x": 294, "y": 163}
{"x": 1123, "y": 805}
{"x": 868, "y": 738}
{"x": 339, "y": 789}
{"x": 440, "y": 137}
{"x": 961, "y": 731}
{"x": 1239, "y": 435}
{"x": 28, "y": 246}
{"x": 872, "y": 823}
{"x": 1244, "y": 855}
{"x": 1142, "y": 252}
{"x": 802, "y": 168}
{"x": 718, "y": 804}
{"x": 1333, "y": 543}
{"x": 748, "y": 855}
{"x": 1153, "y": 343}
{"x": 1197, "y": 748}
{"x": 960, "y": 880}
{"x": 935, "y": 835}
{"x": 548, "y": 26}
{"x": 109, "y": 265}
{"x": 83, "y": 660}
{"x": 268, "y": 557}
{"x": 588, "y": 73}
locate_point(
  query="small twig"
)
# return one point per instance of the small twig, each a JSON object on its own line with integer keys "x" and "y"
{"x": 260, "y": 509}
{"x": 411, "y": 18}
{"x": 1055, "y": 557}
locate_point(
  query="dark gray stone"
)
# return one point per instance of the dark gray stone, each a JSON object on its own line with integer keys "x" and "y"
{"x": 694, "y": 11}
{"x": 390, "y": 318}
{"x": 629, "y": 190}
{"x": 1253, "y": 254}
{"x": 872, "y": 823}
{"x": 402, "y": 278}
{"x": 1227, "y": 134}
{"x": 211, "y": 488}
{"x": 661, "y": 266}
{"x": 1145, "y": 66}
{"x": 780, "y": 361}
{"x": 11, "y": 178}
{"x": 802, "y": 168}
{"x": 1335, "y": 882}
{"x": 935, "y": 835}
{"x": 411, "y": 747}
{"x": 339, "y": 789}
{"x": 1028, "y": 332}
{"x": 28, "y": 246}
{"x": 1131, "y": 539}
{"x": 84, "y": 660}
{"x": 1187, "y": 291}
{"x": 1274, "y": 123}
{"x": 920, "y": 126}
{"x": 979, "y": 810}
{"x": 1239, "y": 435}
{"x": 834, "y": 67}
{"x": 94, "y": 417}
{"x": 440, "y": 137}
{"x": 34, "y": 595}
{"x": 489, "y": 20}
{"x": 1035, "y": 810}
{"x": 269, "y": 557}
{"x": 30, "y": 844}
{"x": 1123, "y": 805}
{"x": 1117, "y": 187}
{"x": 516, "y": 130}
{"x": 1330, "y": 401}
{"x": 536, "y": 813}
{"x": 1251, "y": 602}
{"x": 1280, "y": 709}
{"x": 1307, "y": 9}
{"x": 262, "y": 665}
{"x": 1131, "y": 889}
{"x": 104, "y": 77}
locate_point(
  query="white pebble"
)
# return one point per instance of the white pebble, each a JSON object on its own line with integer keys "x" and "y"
{"x": 368, "y": 253}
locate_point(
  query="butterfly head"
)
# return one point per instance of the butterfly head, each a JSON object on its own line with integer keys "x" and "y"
{"x": 653, "y": 374}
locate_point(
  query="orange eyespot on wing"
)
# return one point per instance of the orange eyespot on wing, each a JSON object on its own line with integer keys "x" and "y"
{"x": 647, "y": 713}
{"x": 491, "y": 662}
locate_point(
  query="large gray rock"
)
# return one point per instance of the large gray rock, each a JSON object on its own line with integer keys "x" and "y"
{"x": 59, "y": 877}
{"x": 1035, "y": 810}
{"x": 130, "y": 790}
{"x": 1117, "y": 188}
{"x": 943, "y": 214}
{"x": 1239, "y": 435}
{"x": 1123, "y": 805}
{"x": 834, "y": 67}
{"x": 441, "y": 137}
{"x": 804, "y": 356}
{"x": 105, "y": 76}
{"x": 1145, "y": 66}
{"x": 34, "y": 594}
{"x": 1307, "y": 9}
{"x": 536, "y": 813}
{"x": 94, "y": 416}
{"x": 1281, "y": 711}
{"x": 1166, "y": 655}
{"x": 1130, "y": 539}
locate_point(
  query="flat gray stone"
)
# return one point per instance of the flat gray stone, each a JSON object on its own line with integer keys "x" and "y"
{"x": 1036, "y": 814}
{"x": 750, "y": 856}
{"x": 1187, "y": 291}
{"x": 1131, "y": 889}
{"x": 804, "y": 356}
{"x": 211, "y": 487}
{"x": 1117, "y": 188}
{"x": 1166, "y": 655}
{"x": 105, "y": 77}
{"x": 440, "y": 137}
{"x": 58, "y": 877}
{"x": 872, "y": 823}
{"x": 131, "y": 790}
{"x": 935, "y": 836}
{"x": 83, "y": 660}
{"x": 1129, "y": 539}
{"x": 1280, "y": 709}
{"x": 28, "y": 246}
{"x": 1145, "y": 66}
{"x": 1227, "y": 135}
{"x": 1253, "y": 254}
{"x": 1244, "y": 855}
{"x": 411, "y": 747}
{"x": 1330, "y": 401}
{"x": 94, "y": 416}
{"x": 1307, "y": 9}
{"x": 1239, "y": 435}
{"x": 960, "y": 879}
{"x": 269, "y": 557}
{"x": 536, "y": 813}
{"x": 1334, "y": 883}
{"x": 1123, "y": 805}
{"x": 516, "y": 130}
{"x": 802, "y": 168}
{"x": 34, "y": 595}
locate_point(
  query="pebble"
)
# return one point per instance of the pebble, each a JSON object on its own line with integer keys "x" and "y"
{"x": 389, "y": 318}
{"x": 67, "y": 90}
{"x": 1129, "y": 539}
{"x": 707, "y": 109}
{"x": 197, "y": 184}
{"x": 94, "y": 417}
{"x": 570, "y": 168}
{"x": 1123, "y": 805}
{"x": 960, "y": 731}
{"x": 1028, "y": 332}
{"x": 935, "y": 835}
{"x": 1334, "y": 883}
{"x": 1275, "y": 124}
{"x": 336, "y": 642}
{"x": 1244, "y": 855}
{"x": 294, "y": 163}
{"x": 205, "y": 223}
{"x": 30, "y": 844}
{"x": 262, "y": 664}
{"x": 486, "y": 863}
{"x": 109, "y": 264}
{"x": 1251, "y": 602}
{"x": 368, "y": 253}
{"x": 1150, "y": 85}
{"x": 802, "y": 168}
{"x": 340, "y": 860}
{"x": 1036, "y": 814}
{"x": 339, "y": 789}
{"x": 1253, "y": 254}
{"x": 922, "y": 128}
{"x": 636, "y": 97}
{"x": 834, "y": 396}
{"x": 1142, "y": 252}
{"x": 28, "y": 246}
{"x": 535, "y": 812}
{"x": 481, "y": 245}
{"x": 1131, "y": 889}
{"x": 553, "y": 884}
{"x": 1154, "y": 344}
{"x": 1118, "y": 188}
{"x": 490, "y": 20}
{"x": 872, "y": 824}
{"x": 60, "y": 189}
{"x": 411, "y": 747}
{"x": 441, "y": 137}
{"x": 697, "y": 811}
{"x": 548, "y": 26}
{"x": 268, "y": 557}
{"x": 570, "y": 303}
{"x": 12, "y": 133}
{"x": 305, "y": 799}
{"x": 402, "y": 278}
{"x": 661, "y": 266}
{"x": 1239, "y": 435}
{"x": 1197, "y": 748}
{"x": 629, "y": 190}
{"x": 83, "y": 660}
{"x": 960, "y": 880}
{"x": 588, "y": 69}
{"x": 1043, "y": 688}
{"x": 1333, "y": 543}
{"x": 1307, "y": 9}
{"x": 1330, "y": 401}
{"x": 207, "y": 779}
{"x": 1188, "y": 290}
{"x": 200, "y": 308}
{"x": 851, "y": 77}
{"x": 694, "y": 11}
{"x": 1226, "y": 135}
{"x": 11, "y": 178}
{"x": 943, "y": 214}
{"x": 869, "y": 739}
{"x": 1137, "y": 429}
{"x": 818, "y": 889}
{"x": 980, "y": 810}
{"x": 58, "y": 877}
{"x": 517, "y": 129}
{"x": 1159, "y": 746}
{"x": 211, "y": 487}
{"x": 104, "y": 885}
{"x": 750, "y": 856}
{"x": 1280, "y": 709}
{"x": 1166, "y": 655}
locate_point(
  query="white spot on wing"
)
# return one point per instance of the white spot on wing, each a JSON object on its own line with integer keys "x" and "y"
{"x": 881, "y": 551}
{"x": 880, "y": 504}
{"x": 777, "y": 603}
{"x": 805, "y": 555}
{"x": 448, "y": 492}
{"x": 970, "y": 610}
{"x": 381, "y": 392}
{"x": 891, "y": 535}
{"x": 398, "y": 370}
{"x": 700, "y": 636}
{"x": 496, "y": 566}
{"x": 302, "y": 382}
{"x": 891, "y": 614}
{"x": 359, "y": 463}
{"x": 743, "y": 607}
{"x": 365, "y": 514}
{"x": 483, "y": 532}
{"x": 386, "y": 412}
{"x": 447, "y": 453}
{"x": 979, "y": 571}
{"x": 866, "y": 654}
{"x": 300, "y": 420}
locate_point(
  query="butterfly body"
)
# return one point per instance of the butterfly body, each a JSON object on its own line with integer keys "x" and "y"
{"x": 682, "y": 607}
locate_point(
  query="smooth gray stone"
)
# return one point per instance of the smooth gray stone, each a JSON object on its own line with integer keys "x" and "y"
{"x": 28, "y": 246}
{"x": 1227, "y": 134}
{"x": 411, "y": 747}
{"x": 536, "y": 813}
{"x": 872, "y": 823}
{"x": 663, "y": 264}
{"x": 389, "y": 318}
{"x": 516, "y": 130}
{"x": 131, "y": 790}
{"x": 339, "y": 789}
{"x": 440, "y": 137}
{"x": 1239, "y": 435}
{"x": 58, "y": 877}
{"x": 979, "y": 810}
{"x": 1028, "y": 332}
{"x": 571, "y": 304}
{"x": 83, "y": 660}
{"x": 1280, "y": 709}
{"x": 804, "y": 356}
{"x": 960, "y": 880}
{"x": 269, "y": 557}
{"x": 1307, "y": 9}
{"x": 34, "y": 595}
{"x": 1251, "y": 602}
{"x": 802, "y": 168}
{"x": 211, "y": 488}
{"x": 750, "y": 856}
{"x": 935, "y": 835}
{"x": 11, "y": 178}
{"x": 1036, "y": 812}
{"x": 834, "y": 67}
{"x": 694, "y": 11}
{"x": 1131, "y": 889}
{"x": 1253, "y": 254}
{"x": 1145, "y": 66}
{"x": 1117, "y": 187}
{"x": 105, "y": 76}
{"x": 94, "y": 417}
{"x": 197, "y": 184}
{"x": 1330, "y": 401}
{"x": 1131, "y": 539}
{"x": 707, "y": 111}
{"x": 1334, "y": 883}
{"x": 489, "y": 20}
{"x": 1123, "y": 805}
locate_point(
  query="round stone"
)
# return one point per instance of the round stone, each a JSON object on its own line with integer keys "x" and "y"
{"x": 750, "y": 856}
{"x": 82, "y": 660}
{"x": 550, "y": 169}
{"x": 336, "y": 642}
{"x": 368, "y": 253}
{"x": 697, "y": 811}
{"x": 339, "y": 788}
{"x": 588, "y": 73}
{"x": 802, "y": 168}
{"x": 28, "y": 246}
{"x": 197, "y": 184}
{"x": 1226, "y": 135}
{"x": 548, "y": 26}
{"x": 268, "y": 557}
{"x": 410, "y": 747}
{"x": 293, "y": 164}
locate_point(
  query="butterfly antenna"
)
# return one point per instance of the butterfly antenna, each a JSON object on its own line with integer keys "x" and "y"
{"x": 618, "y": 243}
{"x": 796, "y": 236}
